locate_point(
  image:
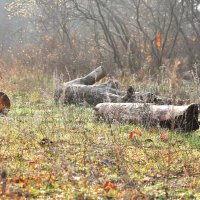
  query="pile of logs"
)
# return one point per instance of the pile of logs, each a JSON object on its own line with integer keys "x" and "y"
{"x": 112, "y": 104}
{"x": 83, "y": 90}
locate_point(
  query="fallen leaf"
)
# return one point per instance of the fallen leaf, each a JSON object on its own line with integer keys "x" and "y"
{"x": 134, "y": 132}
{"x": 108, "y": 185}
{"x": 153, "y": 130}
{"x": 164, "y": 135}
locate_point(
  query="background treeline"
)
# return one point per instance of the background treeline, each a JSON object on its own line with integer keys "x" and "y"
{"x": 132, "y": 36}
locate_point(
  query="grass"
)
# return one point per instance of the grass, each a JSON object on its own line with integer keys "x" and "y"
{"x": 52, "y": 152}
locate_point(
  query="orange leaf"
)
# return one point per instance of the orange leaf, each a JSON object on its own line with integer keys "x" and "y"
{"x": 108, "y": 185}
{"x": 134, "y": 132}
{"x": 137, "y": 132}
{"x": 164, "y": 135}
{"x": 158, "y": 40}
{"x": 33, "y": 162}
{"x": 153, "y": 130}
{"x": 130, "y": 137}
{"x": 38, "y": 185}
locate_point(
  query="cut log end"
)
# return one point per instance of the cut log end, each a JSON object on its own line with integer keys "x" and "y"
{"x": 187, "y": 121}
{"x": 4, "y": 103}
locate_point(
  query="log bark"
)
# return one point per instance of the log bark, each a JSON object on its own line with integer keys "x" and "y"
{"x": 181, "y": 118}
{"x": 82, "y": 90}
{"x": 89, "y": 79}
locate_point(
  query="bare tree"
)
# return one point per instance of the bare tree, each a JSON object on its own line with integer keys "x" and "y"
{"x": 120, "y": 33}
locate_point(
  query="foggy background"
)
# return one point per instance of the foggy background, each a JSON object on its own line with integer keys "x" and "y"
{"x": 126, "y": 36}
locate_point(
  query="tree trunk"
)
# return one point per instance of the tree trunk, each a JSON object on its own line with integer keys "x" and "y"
{"x": 182, "y": 118}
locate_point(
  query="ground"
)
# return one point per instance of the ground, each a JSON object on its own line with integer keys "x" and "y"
{"x": 60, "y": 152}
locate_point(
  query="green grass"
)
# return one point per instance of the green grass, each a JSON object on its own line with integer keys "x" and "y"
{"x": 84, "y": 154}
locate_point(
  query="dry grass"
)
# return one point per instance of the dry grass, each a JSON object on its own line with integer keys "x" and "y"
{"x": 52, "y": 152}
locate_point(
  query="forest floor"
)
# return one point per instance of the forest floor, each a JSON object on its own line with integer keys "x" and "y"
{"x": 60, "y": 152}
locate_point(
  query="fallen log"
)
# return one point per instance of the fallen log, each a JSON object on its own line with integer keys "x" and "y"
{"x": 181, "y": 118}
{"x": 82, "y": 90}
